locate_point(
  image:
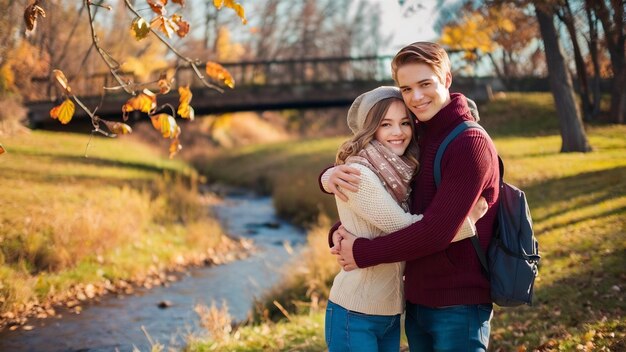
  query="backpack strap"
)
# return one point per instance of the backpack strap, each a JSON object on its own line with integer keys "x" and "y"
{"x": 444, "y": 144}
{"x": 437, "y": 175}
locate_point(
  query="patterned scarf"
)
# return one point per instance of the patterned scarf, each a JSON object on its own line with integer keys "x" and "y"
{"x": 393, "y": 171}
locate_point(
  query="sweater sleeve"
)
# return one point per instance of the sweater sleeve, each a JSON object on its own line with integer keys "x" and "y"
{"x": 373, "y": 203}
{"x": 467, "y": 167}
{"x": 323, "y": 179}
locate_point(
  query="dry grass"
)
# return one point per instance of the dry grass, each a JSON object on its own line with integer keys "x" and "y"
{"x": 119, "y": 214}
{"x": 215, "y": 320}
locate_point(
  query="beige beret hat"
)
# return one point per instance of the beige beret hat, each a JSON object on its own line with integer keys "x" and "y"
{"x": 364, "y": 103}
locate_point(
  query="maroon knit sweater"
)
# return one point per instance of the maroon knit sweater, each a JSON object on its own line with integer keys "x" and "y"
{"x": 439, "y": 273}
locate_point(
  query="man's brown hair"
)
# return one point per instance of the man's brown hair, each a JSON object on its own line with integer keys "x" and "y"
{"x": 431, "y": 54}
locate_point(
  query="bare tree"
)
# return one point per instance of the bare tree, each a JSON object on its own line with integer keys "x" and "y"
{"x": 613, "y": 20}
{"x": 573, "y": 134}
{"x": 565, "y": 14}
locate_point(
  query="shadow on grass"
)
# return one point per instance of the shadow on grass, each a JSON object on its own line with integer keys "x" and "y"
{"x": 567, "y": 309}
{"x": 600, "y": 186}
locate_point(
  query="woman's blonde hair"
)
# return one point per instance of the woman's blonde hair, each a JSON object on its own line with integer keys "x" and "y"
{"x": 366, "y": 134}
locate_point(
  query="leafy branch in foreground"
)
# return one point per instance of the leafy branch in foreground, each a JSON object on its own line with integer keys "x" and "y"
{"x": 143, "y": 99}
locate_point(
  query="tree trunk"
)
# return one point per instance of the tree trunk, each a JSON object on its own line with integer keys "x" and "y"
{"x": 593, "y": 52}
{"x": 581, "y": 73}
{"x": 573, "y": 134}
{"x": 615, "y": 40}
{"x": 499, "y": 74}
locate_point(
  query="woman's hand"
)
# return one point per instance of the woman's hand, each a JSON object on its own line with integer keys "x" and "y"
{"x": 479, "y": 210}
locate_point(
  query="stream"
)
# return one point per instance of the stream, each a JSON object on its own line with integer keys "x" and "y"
{"x": 114, "y": 322}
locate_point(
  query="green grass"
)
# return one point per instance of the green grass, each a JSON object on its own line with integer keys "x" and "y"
{"x": 119, "y": 214}
{"x": 578, "y": 203}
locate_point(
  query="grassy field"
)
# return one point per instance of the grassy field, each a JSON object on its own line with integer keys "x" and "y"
{"x": 578, "y": 203}
{"x": 73, "y": 226}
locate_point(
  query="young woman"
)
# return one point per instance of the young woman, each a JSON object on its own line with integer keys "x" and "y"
{"x": 365, "y": 305}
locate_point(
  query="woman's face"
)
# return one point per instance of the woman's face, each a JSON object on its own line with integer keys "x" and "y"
{"x": 395, "y": 131}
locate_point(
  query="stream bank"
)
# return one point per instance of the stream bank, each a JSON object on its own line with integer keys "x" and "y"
{"x": 115, "y": 323}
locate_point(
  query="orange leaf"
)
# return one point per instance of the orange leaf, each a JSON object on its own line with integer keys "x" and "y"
{"x": 158, "y": 6}
{"x": 63, "y": 112}
{"x": 219, "y": 73}
{"x": 239, "y": 10}
{"x": 62, "y": 80}
{"x": 30, "y": 15}
{"x": 165, "y": 25}
{"x": 118, "y": 127}
{"x": 184, "y": 109}
{"x": 144, "y": 102}
{"x": 164, "y": 84}
{"x": 183, "y": 26}
{"x": 2, "y": 150}
{"x": 175, "y": 147}
{"x": 165, "y": 124}
{"x": 179, "y": 2}
{"x": 140, "y": 28}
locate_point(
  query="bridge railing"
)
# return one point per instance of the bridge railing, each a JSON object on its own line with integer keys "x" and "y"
{"x": 294, "y": 72}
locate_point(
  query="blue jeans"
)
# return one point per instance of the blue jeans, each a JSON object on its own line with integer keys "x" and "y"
{"x": 454, "y": 328}
{"x": 346, "y": 330}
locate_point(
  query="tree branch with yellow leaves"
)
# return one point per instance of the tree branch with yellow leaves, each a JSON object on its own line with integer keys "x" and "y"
{"x": 162, "y": 26}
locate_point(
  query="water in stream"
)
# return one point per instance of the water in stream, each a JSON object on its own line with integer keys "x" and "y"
{"x": 115, "y": 322}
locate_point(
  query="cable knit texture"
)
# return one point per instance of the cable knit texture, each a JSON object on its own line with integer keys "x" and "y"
{"x": 369, "y": 213}
{"x": 439, "y": 273}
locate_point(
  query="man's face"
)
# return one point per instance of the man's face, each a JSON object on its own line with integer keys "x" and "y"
{"x": 422, "y": 90}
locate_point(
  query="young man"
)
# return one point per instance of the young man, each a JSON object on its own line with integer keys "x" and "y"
{"x": 448, "y": 305}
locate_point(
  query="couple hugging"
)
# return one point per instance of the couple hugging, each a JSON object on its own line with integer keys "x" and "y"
{"x": 403, "y": 242}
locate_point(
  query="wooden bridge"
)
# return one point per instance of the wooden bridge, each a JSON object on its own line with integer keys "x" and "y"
{"x": 261, "y": 85}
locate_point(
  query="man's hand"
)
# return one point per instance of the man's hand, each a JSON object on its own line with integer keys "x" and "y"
{"x": 479, "y": 210}
{"x": 345, "y": 177}
{"x": 344, "y": 249}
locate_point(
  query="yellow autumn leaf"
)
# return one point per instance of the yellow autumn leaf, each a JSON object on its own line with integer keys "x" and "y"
{"x": 239, "y": 10}
{"x": 2, "y": 150}
{"x": 63, "y": 112}
{"x": 219, "y": 73}
{"x": 62, "y": 80}
{"x": 144, "y": 102}
{"x": 175, "y": 147}
{"x": 140, "y": 28}
{"x": 118, "y": 127}
{"x": 166, "y": 124}
{"x": 184, "y": 109}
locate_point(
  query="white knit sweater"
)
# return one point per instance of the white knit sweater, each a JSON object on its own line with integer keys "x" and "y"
{"x": 371, "y": 212}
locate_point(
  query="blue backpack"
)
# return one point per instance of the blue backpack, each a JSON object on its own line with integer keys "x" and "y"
{"x": 512, "y": 258}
